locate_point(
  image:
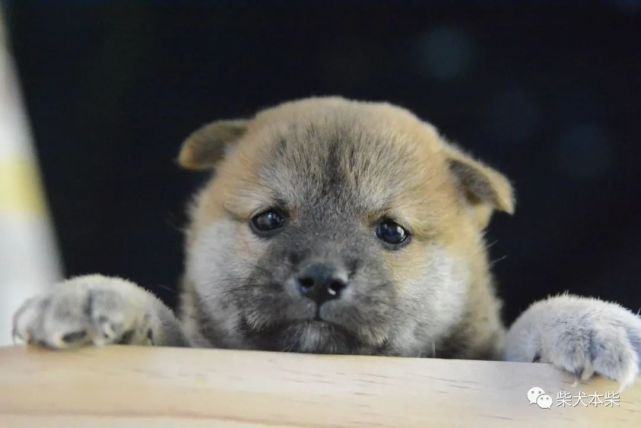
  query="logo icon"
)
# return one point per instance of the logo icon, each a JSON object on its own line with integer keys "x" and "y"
{"x": 536, "y": 395}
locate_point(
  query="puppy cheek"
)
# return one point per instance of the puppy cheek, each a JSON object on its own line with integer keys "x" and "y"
{"x": 223, "y": 253}
{"x": 405, "y": 266}
{"x": 432, "y": 284}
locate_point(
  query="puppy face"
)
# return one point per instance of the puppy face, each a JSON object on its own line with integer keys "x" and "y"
{"x": 334, "y": 226}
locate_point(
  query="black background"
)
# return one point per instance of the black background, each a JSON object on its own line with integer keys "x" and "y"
{"x": 547, "y": 94}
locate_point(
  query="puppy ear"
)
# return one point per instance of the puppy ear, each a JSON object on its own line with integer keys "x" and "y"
{"x": 207, "y": 145}
{"x": 483, "y": 187}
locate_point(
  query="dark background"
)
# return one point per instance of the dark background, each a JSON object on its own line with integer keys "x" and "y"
{"x": 547, "y": 94}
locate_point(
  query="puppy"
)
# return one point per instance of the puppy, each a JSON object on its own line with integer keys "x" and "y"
{"x": 336, "y": 226}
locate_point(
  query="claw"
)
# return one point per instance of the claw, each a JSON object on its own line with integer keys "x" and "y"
{"x": 588, "y": 371}
{"x": 17, "y": 338}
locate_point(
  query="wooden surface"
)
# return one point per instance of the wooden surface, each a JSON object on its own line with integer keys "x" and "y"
{"x": 165, "y": 387}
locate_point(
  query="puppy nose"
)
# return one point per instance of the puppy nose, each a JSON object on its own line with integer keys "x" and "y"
{"x": 320, "y": 283}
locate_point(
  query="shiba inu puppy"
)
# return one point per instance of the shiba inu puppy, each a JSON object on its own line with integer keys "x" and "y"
{"x": 336, "y": 226}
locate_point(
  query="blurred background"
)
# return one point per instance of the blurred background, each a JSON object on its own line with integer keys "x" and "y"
{"x": 547, "y": 94}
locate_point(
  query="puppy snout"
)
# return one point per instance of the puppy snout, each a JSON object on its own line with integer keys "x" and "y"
{"x": 321, "y": 283}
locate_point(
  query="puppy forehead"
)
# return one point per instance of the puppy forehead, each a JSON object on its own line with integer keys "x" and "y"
{"x": 371, "y": 155}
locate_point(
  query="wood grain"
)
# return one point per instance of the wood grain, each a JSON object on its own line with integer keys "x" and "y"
{"x": 122, "y": 386}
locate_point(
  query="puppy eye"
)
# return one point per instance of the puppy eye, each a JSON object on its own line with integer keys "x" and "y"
{"x": 267, "y": 221}
{"x": 392, "y": 233}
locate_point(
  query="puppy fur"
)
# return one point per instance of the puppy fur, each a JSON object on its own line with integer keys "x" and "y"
{"x": 336, "y": 168}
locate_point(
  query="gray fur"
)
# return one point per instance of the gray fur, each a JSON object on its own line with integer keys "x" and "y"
{"x": 97, "y": 310}
{"x": 581, "y": 335}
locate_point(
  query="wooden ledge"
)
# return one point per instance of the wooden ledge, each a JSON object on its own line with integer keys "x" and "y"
{"x": 123, "y": 386}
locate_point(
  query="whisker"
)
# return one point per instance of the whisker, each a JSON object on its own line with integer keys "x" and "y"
{"x": 171, "y": 290}
{"x": 491, "y": 244}
{"x": 172, "y": 221}
{"x": 495, "y": 261}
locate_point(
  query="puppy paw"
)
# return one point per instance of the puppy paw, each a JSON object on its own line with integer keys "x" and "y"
{"x": 581, "y": 335}
{"x": 87, "y": 310}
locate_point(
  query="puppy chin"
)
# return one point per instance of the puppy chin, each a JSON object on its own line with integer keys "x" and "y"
{"x": 310, "y": 336}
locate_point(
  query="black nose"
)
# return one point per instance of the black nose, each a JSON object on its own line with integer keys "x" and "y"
{"x": 320, "y": 283}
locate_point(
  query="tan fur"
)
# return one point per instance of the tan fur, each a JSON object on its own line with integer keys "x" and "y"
{"x": 235, "y": 181}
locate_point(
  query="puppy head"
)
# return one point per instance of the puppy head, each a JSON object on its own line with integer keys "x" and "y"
{"x": 335, "y": 226}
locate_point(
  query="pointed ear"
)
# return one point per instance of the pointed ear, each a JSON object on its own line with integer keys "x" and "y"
{"x": 207, "y": 145}
{"x": 484, "y": 188}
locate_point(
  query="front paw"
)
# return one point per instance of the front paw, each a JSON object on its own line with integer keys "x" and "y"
{"x": 87, "y": 310}
{"x": 581, "y": 335}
